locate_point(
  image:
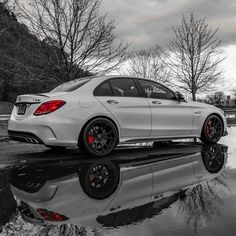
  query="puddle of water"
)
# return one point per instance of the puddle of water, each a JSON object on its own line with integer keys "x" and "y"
{"x": 206, "y": 208}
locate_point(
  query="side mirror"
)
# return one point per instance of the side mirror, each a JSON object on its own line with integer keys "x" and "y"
{"x": 180, "y": 96}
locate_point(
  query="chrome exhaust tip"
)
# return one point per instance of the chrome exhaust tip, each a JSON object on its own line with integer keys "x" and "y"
{"x": 28, "y": 140}
{"x": 33, "y": 140}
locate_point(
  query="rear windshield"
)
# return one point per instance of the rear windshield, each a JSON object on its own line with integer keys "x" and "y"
{"x": 71, "y": 85}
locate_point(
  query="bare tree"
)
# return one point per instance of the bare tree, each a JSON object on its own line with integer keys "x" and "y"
{"x": 218, "y": 98}
{"x": 234, "y": 94}
{"x": 26, "y": 63}
{"x": 86, "y": 40}
{"x": 148, "y": 64}
{"x": 194, "y": 56}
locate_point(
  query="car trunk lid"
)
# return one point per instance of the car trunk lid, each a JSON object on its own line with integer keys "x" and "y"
{"x": 25, "y": 105}
{"x": 31, "y": 98}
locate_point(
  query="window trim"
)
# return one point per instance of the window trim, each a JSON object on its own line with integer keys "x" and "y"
{"x": 174, "y": 99}
{"x": 108, "y": 80}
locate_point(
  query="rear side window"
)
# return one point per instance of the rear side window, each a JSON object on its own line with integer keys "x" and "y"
{"x": 103, "y": 90}
{"x": 124, "y": 87}
{"x": 70, "y": 86}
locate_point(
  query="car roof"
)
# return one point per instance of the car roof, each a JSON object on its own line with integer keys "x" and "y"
{"x": 101, "y": 78}
{"x": 114, "y": 76}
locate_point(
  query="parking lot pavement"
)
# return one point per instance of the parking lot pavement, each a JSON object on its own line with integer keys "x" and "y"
{"x": 204, "y": 201}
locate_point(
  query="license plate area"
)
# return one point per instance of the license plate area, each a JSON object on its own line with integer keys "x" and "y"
{"x": 21, "y": 109}
{"x": 26, "y": 211}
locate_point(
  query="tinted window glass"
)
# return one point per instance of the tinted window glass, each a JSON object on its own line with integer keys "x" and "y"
{"x": 103, "y": 90}
{"x": 124, "y": 87}
{"x": 71, "y": 85}
{"x": 154, "y": 90}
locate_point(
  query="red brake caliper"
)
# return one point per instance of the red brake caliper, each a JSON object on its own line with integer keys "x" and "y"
{"x": 90, "y": 137}
{"x": 208, "y": 127}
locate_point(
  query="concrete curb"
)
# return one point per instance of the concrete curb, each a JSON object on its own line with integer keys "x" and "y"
{"x": 4, "y": 117}
{"x": 3, "y": 139}
{"x": 231, "y": 125}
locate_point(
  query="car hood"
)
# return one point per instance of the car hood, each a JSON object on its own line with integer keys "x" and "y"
{"x": 200, "y": 104}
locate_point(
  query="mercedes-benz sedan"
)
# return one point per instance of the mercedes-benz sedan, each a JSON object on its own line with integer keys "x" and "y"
{"x": 97, "y": 113}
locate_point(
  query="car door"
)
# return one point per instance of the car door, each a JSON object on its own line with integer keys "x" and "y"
{"x": 173, "y": 175}
{"x": 170, "y": 117}
{"x": 122, "y": 98}
{"x": 135, "y": 188}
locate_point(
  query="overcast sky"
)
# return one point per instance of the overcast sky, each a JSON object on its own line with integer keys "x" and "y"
{"x": 145, "y": 23}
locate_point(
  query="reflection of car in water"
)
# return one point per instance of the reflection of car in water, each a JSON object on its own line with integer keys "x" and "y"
{"x": 113, "y": 192}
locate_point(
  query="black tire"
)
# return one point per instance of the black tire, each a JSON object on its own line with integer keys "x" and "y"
{"x": 212, "y": 129}
{"x": 100, "y": 179}
{"x": 213, "y": 157}
{"x": 98, "y": 138}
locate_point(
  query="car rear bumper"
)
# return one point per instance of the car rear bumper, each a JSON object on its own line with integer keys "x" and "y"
{"x": 46, "y": 193}
{"x": 54, "y": 131}
{"x": 24, "y": 137}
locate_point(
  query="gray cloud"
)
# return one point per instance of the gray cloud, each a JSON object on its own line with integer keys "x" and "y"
{"x": 148, "y": 22}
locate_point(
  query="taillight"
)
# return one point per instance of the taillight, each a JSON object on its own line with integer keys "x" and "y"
{"x": 48, "y": 107}
{"x": 51, "y": 216}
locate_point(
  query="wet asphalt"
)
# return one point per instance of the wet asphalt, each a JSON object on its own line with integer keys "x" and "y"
{"x": 209, "y": 209}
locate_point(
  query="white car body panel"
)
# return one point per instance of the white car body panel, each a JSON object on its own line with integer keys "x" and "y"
{"x": 134, "y": 118}
{"x": 132, "y": 114}
{"x": 170, "y": 118}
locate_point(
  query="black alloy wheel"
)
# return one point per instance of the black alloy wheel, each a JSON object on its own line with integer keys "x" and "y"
{"x": 100, "y": 179}
{"x": 212, "y": 129}
{"x": 214, "y": 157}
{"x": 99, "y": 137}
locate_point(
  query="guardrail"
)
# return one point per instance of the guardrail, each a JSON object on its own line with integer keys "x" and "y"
{"x": 4, "y": 117}
{"x": 230, "y": 114}
{"x": 6, "y": 107}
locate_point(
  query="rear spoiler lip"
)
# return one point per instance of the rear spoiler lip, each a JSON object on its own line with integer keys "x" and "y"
{"x": 32, "y": 94}
{"x": 35, "y": 94}
{"x": 38, "y": 94}
{"x": 19, "y": 103}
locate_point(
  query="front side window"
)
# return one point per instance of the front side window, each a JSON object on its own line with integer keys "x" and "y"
{"x": 124, "y": 87}
{"x": 154, "y": 90}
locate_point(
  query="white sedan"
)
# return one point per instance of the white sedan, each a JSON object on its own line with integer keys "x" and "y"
{"x": 97, "y": 113}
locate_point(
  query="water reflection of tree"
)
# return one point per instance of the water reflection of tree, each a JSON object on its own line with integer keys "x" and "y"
{"x": 18, "y": 227}
{"x": 202, "y": 201}
{"x": 7, "y": 201}
{"x": 73, "y": 230}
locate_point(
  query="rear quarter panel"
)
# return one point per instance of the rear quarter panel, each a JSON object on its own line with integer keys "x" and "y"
{"x": 81, "y": 107}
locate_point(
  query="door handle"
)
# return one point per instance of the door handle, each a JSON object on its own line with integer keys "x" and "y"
{"x": 112, "y": 102}
{"x": 156, "y": 102}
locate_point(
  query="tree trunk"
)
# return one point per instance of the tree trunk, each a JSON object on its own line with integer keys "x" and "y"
{"x": 194, "y": 95}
